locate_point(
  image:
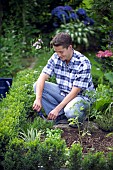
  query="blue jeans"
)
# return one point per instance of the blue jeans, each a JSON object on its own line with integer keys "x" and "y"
{"x": 52, "y": 96}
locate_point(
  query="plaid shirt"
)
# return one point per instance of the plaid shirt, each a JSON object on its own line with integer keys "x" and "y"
{"x": 76, "y": 73}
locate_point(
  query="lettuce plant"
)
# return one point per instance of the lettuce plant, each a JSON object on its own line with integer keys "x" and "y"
{"x": 102, "y": 108}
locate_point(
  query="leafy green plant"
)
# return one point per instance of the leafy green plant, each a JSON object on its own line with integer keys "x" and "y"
{"x": 109, "y": 77}
{"x": 96, "y": 71}
{"x": 109, "y": 159}
{"x": 94, "y": 161}
{"x": 10, "y": 53}
{"x": 14, "y": 155}
{"x": 103, "y": 14}
{"x": 102, "y": 108}
{"x": 78, "y": 121}
{"x": 31, "y": 135}
{"x": 75, "y": 122}
{"x": 22, "y": 155}
{"x": 32, "y": 156}
{"x": 56, "y": 133}
{"x": 53, "y": 151}
{"x": 79, "y": 32}
{"x": 87, "y": 4}
{"x": 14, "y": 108}
{"x": 75, "y": 157}
{"x": 38, "y": 123}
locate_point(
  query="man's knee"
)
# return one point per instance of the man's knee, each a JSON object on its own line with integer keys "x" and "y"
{"x": 45, "y": 86}
{"x": 75, "y": 108}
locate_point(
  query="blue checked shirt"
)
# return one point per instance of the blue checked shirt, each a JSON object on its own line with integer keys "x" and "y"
{"x": 76, "y": 73}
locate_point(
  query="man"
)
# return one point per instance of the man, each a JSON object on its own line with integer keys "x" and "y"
{"x": 65, "y": 99}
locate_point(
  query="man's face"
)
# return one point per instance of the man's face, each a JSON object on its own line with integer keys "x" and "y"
{"x": 64, "y": 54}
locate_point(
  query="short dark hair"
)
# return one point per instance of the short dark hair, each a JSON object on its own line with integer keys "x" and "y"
{"x": 62, "y": 39}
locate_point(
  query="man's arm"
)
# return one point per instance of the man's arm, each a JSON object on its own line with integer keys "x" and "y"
{"x": 54, "y": 113}
{"x": 37, "y": 105}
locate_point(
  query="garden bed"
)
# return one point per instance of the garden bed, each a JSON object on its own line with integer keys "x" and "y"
{"x": 95, "y": 140}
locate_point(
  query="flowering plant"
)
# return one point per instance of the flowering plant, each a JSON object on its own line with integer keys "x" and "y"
{"x": 78, "y": 24}
{"x": 106, "y": 53}
{"x": 66, "y": 14}
{"x": 38, "y": 44}
{"x": 63, "y": 14}
{"x": 106, "y": 59}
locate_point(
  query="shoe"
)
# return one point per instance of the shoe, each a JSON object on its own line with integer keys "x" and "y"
{"x": 61, "y": 119}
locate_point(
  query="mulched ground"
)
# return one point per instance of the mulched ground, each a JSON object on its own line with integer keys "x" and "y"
{"x": 95, "y": 140}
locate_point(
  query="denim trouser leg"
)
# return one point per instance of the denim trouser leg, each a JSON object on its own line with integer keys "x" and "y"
{"x": 51, "y": 97}
{"x": 77, "y": 108}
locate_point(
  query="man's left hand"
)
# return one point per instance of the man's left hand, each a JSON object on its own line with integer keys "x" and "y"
{"x": 52, "y": 115}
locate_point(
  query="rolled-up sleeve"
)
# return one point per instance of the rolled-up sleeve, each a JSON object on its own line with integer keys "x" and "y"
{"x": 49, "y": 68}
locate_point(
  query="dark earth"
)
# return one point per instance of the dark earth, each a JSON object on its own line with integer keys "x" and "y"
{"x": 94, "y": 139}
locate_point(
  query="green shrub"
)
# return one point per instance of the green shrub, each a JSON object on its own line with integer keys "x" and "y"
{"x": 13, "y": 156}
{"x": 15, "y": 107}
{"x": 94, "y": 161}
{"x": 109, "y": 159}
{"x": 22, "y": 155}
{"x": 75, "y": 157}
{"x": 32, "y": 157}
{"x": 15, "y": 111}
{"x": 53, "y": 151}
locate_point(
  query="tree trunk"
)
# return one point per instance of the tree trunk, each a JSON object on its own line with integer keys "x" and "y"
{"x": 1, "y": 15}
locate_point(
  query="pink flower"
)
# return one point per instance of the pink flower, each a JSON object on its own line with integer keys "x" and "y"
{"x": 100, "y": 54}
{"x": 106, "y": 53}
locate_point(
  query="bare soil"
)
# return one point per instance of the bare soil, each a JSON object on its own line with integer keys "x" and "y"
{"x": 94, "y": 139}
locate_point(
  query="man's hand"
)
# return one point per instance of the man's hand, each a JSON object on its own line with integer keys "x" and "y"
{"x": 37, "y": 105}
{"x": 53, "y": 114}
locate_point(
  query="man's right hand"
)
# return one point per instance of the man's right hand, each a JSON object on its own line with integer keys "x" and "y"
{"x": 37, "y": 105}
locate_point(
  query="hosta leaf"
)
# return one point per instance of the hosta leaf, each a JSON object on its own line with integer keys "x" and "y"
{"x": 79, "y": 40}
{"x": 85, "y": 40}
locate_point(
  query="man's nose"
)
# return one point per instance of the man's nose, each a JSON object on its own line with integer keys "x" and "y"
{"x": 59, "y": 54}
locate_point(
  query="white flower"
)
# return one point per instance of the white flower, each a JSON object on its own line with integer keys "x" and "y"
{"x": 38, "y": 44}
